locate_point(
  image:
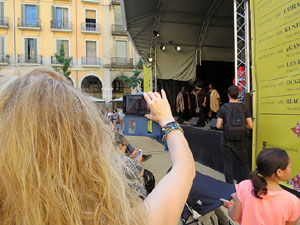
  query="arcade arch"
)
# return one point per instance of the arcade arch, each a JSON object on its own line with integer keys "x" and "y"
{"x": 92, "y": 85}
{"x": 119, "y": 88}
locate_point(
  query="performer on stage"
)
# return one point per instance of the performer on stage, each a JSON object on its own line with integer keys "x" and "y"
{"x": 183, "y": 105}
{"x": 200, "y": 103}
{"x": 213, "y": 101}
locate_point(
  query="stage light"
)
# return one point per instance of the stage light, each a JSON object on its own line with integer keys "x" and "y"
{"x": 156, "y": 33}
{"x": 162, "y": 47}
{"x": 177, "y": 48}
{"x": 150, "y": 59}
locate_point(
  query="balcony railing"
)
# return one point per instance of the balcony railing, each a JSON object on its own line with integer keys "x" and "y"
{"x": 115, "y": 2}
{"x": 91, "y": 61}
{"x": 37, "y": 59}
{"x": 29, "y": 23}
{"x": 54, "y": 61}
{"x": 118, "y": 30}
{"x": 121, "y": 62}
{"x": 4, "y": 59}
{"x": 90, "y": 27}
{"x": 4, "y": 22}
{"x": 61, "y": 25}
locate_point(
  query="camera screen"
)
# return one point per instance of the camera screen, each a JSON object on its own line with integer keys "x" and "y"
{"x": 135, "y": 105}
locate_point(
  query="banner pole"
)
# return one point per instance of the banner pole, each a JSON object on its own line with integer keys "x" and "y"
{"x": 235, "y": 41}
{"x": 247, "y": 45}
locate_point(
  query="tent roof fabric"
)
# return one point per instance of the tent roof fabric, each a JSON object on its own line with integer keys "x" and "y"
{"x": 117, "y": 99}
{"x": 93, "y": 99}
{"x": 206, "y": 25}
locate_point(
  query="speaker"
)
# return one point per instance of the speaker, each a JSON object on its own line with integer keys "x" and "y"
{"x": 194, "y": 121}
{"x": 213, "y": 124}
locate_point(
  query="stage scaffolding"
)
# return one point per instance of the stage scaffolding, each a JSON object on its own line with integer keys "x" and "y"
{"x": 242, "y": 46}
{"x": 242, "y": 58}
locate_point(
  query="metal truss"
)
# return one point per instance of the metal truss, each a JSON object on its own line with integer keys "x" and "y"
{"x": 242, "y": 46}
{"x": 202, "y": 35}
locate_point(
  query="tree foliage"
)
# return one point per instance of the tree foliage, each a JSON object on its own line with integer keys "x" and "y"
{"x": 135, "y": 80}
{"x": 64, "y": 61}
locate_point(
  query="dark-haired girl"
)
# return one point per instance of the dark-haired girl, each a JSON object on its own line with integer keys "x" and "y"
{"x": 261, "y": 200}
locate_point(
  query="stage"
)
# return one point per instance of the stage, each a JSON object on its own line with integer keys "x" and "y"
{"x": 207, "y": 147}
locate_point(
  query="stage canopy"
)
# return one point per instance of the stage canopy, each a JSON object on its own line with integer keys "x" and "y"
{"x": 202, "y": 28}
{"x": 93, "y": 99}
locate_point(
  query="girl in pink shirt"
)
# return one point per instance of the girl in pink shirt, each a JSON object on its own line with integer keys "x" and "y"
{"x": 261, "y": 200}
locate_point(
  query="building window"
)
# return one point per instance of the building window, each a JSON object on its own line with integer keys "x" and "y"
{"x": 31, "y": 15}
{"x": 118, "y": 86}
{"x": 1, "y": 10}
{"x": 91, "y": 53}
{"x": 63, "y": 44}
{"x": 30, "y": 50}
{"x": 2, "y": 50}
{"x": 118, "y": 15}
{"x": 121, "y": 49}
{"x": 60, "y": 17}
{"x": 91, "y": 49}
{"x": 90, "y": 19}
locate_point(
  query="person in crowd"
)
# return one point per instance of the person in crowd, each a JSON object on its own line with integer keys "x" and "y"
{"x": 180, "y": 103}
{"x": 121, "y": 116}
{"x": 233, "y": 118}
{"x": 108, "y": 114}
{"x": 213, "y": 103}
{"x": 136, "y": 163}
{"x": 58, "y": 163}
{"x": 183, "y": 105}
{"x": 134, "y": 169}
{"x": 130, "y": 149}
{"x": 261, "y": 200}
{"x": 113, "y": 128}
{"x": 108, "y": 117}
{"x": 200, "y": 102}
{"x": 115, "y": 117}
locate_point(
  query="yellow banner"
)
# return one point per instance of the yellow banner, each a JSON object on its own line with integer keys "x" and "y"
{"x": 147, "y": 88}
{"x": 275, "y": 33}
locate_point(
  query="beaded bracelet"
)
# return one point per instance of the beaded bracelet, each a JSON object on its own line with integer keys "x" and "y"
{"x": 169, "y": 127}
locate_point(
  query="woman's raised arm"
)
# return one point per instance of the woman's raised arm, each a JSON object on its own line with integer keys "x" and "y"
{"x": 165, "y": 203}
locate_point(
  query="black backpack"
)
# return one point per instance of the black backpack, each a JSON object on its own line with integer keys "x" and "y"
{"x": 235, "y": 122}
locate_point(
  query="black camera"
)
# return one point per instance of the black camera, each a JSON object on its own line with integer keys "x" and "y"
{"x": 135, "y": 105}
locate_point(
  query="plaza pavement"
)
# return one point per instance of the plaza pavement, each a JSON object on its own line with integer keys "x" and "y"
{"x": 161, "y": 162}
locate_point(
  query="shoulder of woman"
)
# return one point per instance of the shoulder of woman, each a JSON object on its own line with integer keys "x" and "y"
{"x": 291, "y": 204}
{"x": 293, "y": 198}
{"x": 244, "y": 185}
{"x": 243, "y": 189}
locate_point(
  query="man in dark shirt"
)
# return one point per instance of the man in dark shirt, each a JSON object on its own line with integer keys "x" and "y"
{"x": 200, "y": 103}
{"x": 233, "y": 118}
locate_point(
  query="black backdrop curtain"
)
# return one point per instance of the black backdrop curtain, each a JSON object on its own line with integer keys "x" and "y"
{"x": 221, "y": 74}
{"x": 172, "y": 88}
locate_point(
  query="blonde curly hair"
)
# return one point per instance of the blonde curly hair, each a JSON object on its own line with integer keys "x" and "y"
{"x": 58, "y": 165}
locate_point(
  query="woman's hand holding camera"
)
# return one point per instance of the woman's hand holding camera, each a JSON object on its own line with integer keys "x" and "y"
{"x": 160, "y": 110}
